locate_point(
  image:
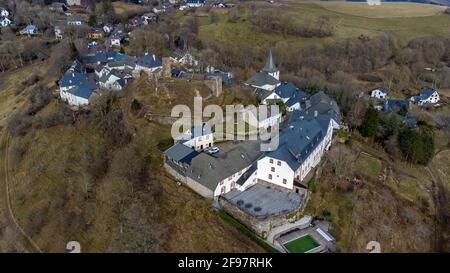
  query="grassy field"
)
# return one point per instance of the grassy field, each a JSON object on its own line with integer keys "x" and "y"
{"x": 417, "y": 20}
{"x": 368, "y": 166}
{"x": 301, "y": 245}
{"x": 122, "y": 7}
{"x": 386, "y": 10}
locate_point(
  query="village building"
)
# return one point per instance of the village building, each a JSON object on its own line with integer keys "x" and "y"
{"x": 195, "y": 3}
{"x": 185, "y": 58}
{"x": 59, "y": 32}
{"x": 197, "y": 138}
{"x": 74, "y": 21}
{"x": 108, "y": 28}
{"x": 149, "y": 17}
{"x": 76, "y": 2}
{"x": 4, "y": 12}
{"x": 95, "y": 33}
{"x": 4, "y": 21}
{"x": 427, "y": 95}
{"x": 268, "y": 78}
{"x": 29, "y": 30}
{"x": 148, "y": 63}
{"x": 395, "y": 105}
{"x": 379, "y": 93}
{"x": 75, "y": 87}
{"x": 223, "y": 5}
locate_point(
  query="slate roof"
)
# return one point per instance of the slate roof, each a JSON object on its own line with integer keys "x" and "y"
{"x": 176, "y": 72}
{"x": 297, "y": 141}
{"x": 104, "y": 57}
{"x": 179, "y": 152}
{"x": 426, "y": 92}
{"x": 261, "y": 79}
{"x": 262, "y": 94}
{"x": 269, "y": 67}
{"x": 30, "y": 28}
{"x": 286, "y": 90}
{"x": 210, "y": 170}
{"x": 149, "y": 60}
{"x": 83, "y": 90}
{"x": 72, "y": 79}
{"x": 298, "y": 96}
{"x": 195, "y": 1}
{"x": 247, "y": 174}
{"x": 392, "y": 104}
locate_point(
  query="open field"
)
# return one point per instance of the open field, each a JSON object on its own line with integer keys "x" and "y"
{"x": 417, "y": 22}
{"x": 122, "y": 7}
{"x": 385, "y": 10}
{"x": 368, "y": 165}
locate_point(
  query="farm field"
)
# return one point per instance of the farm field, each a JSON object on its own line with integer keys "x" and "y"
{"x": 386, "y": 10}
{"x": 407, "y": 20}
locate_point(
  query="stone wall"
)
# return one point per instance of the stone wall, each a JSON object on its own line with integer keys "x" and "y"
{"x": 215, "y": 84}
{"x": 261, "y": 227}
{"x": 194, "y": 185}
{"x": 166, "y": 67}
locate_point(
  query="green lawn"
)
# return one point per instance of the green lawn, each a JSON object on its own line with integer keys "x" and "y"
{"x": 368, "y": 165}
{"x": 408, "y": 23}
{"x": 301, "y": 245}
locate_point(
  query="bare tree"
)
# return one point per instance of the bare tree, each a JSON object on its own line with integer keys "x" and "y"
{"x": 341, "y": 159}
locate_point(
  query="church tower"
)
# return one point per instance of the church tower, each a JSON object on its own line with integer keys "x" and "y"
{"x": 270, "y": 67}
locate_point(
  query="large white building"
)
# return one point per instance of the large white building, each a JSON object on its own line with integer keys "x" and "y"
{"x": 198, "y": 138}
{"x": 302, "y": 144}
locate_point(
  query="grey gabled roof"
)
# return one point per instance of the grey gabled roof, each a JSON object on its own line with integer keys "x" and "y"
{"x": 72, "y": 79}
{"x": 426, "y": 92}
{"x": 297, "y": 141}
{"x": 286, "y": 90}
{"x": 149, "y": 60}
{"x": 84, "y": 90}
{"x": 261, "y": 79}
{"x": 210, "y": 170}
{"x": 262, "y": 94}
{"x": 179, "y": 151}
{"x": 269, "y": 67}
{"x": 297, "y": 97}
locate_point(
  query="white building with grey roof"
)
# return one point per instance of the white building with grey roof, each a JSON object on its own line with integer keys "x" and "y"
{"x": 268, "y": 78}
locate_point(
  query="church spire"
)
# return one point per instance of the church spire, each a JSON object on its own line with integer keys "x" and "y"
{"x": 269, "y": 67}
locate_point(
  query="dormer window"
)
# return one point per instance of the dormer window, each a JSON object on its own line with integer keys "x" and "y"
{"x": 271, "y": 161}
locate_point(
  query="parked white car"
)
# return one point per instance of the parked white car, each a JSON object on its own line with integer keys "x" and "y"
{"x": 212, "y": 150}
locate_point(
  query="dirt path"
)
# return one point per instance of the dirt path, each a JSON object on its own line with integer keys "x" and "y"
{"x": 7, "y": 195}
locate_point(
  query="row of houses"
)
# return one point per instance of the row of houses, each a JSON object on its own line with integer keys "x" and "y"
{"x": 427, "y": 95}
{"x": 112, "y": 71}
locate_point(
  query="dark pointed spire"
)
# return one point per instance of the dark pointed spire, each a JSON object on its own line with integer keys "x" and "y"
{"x": 269, "y": 67}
